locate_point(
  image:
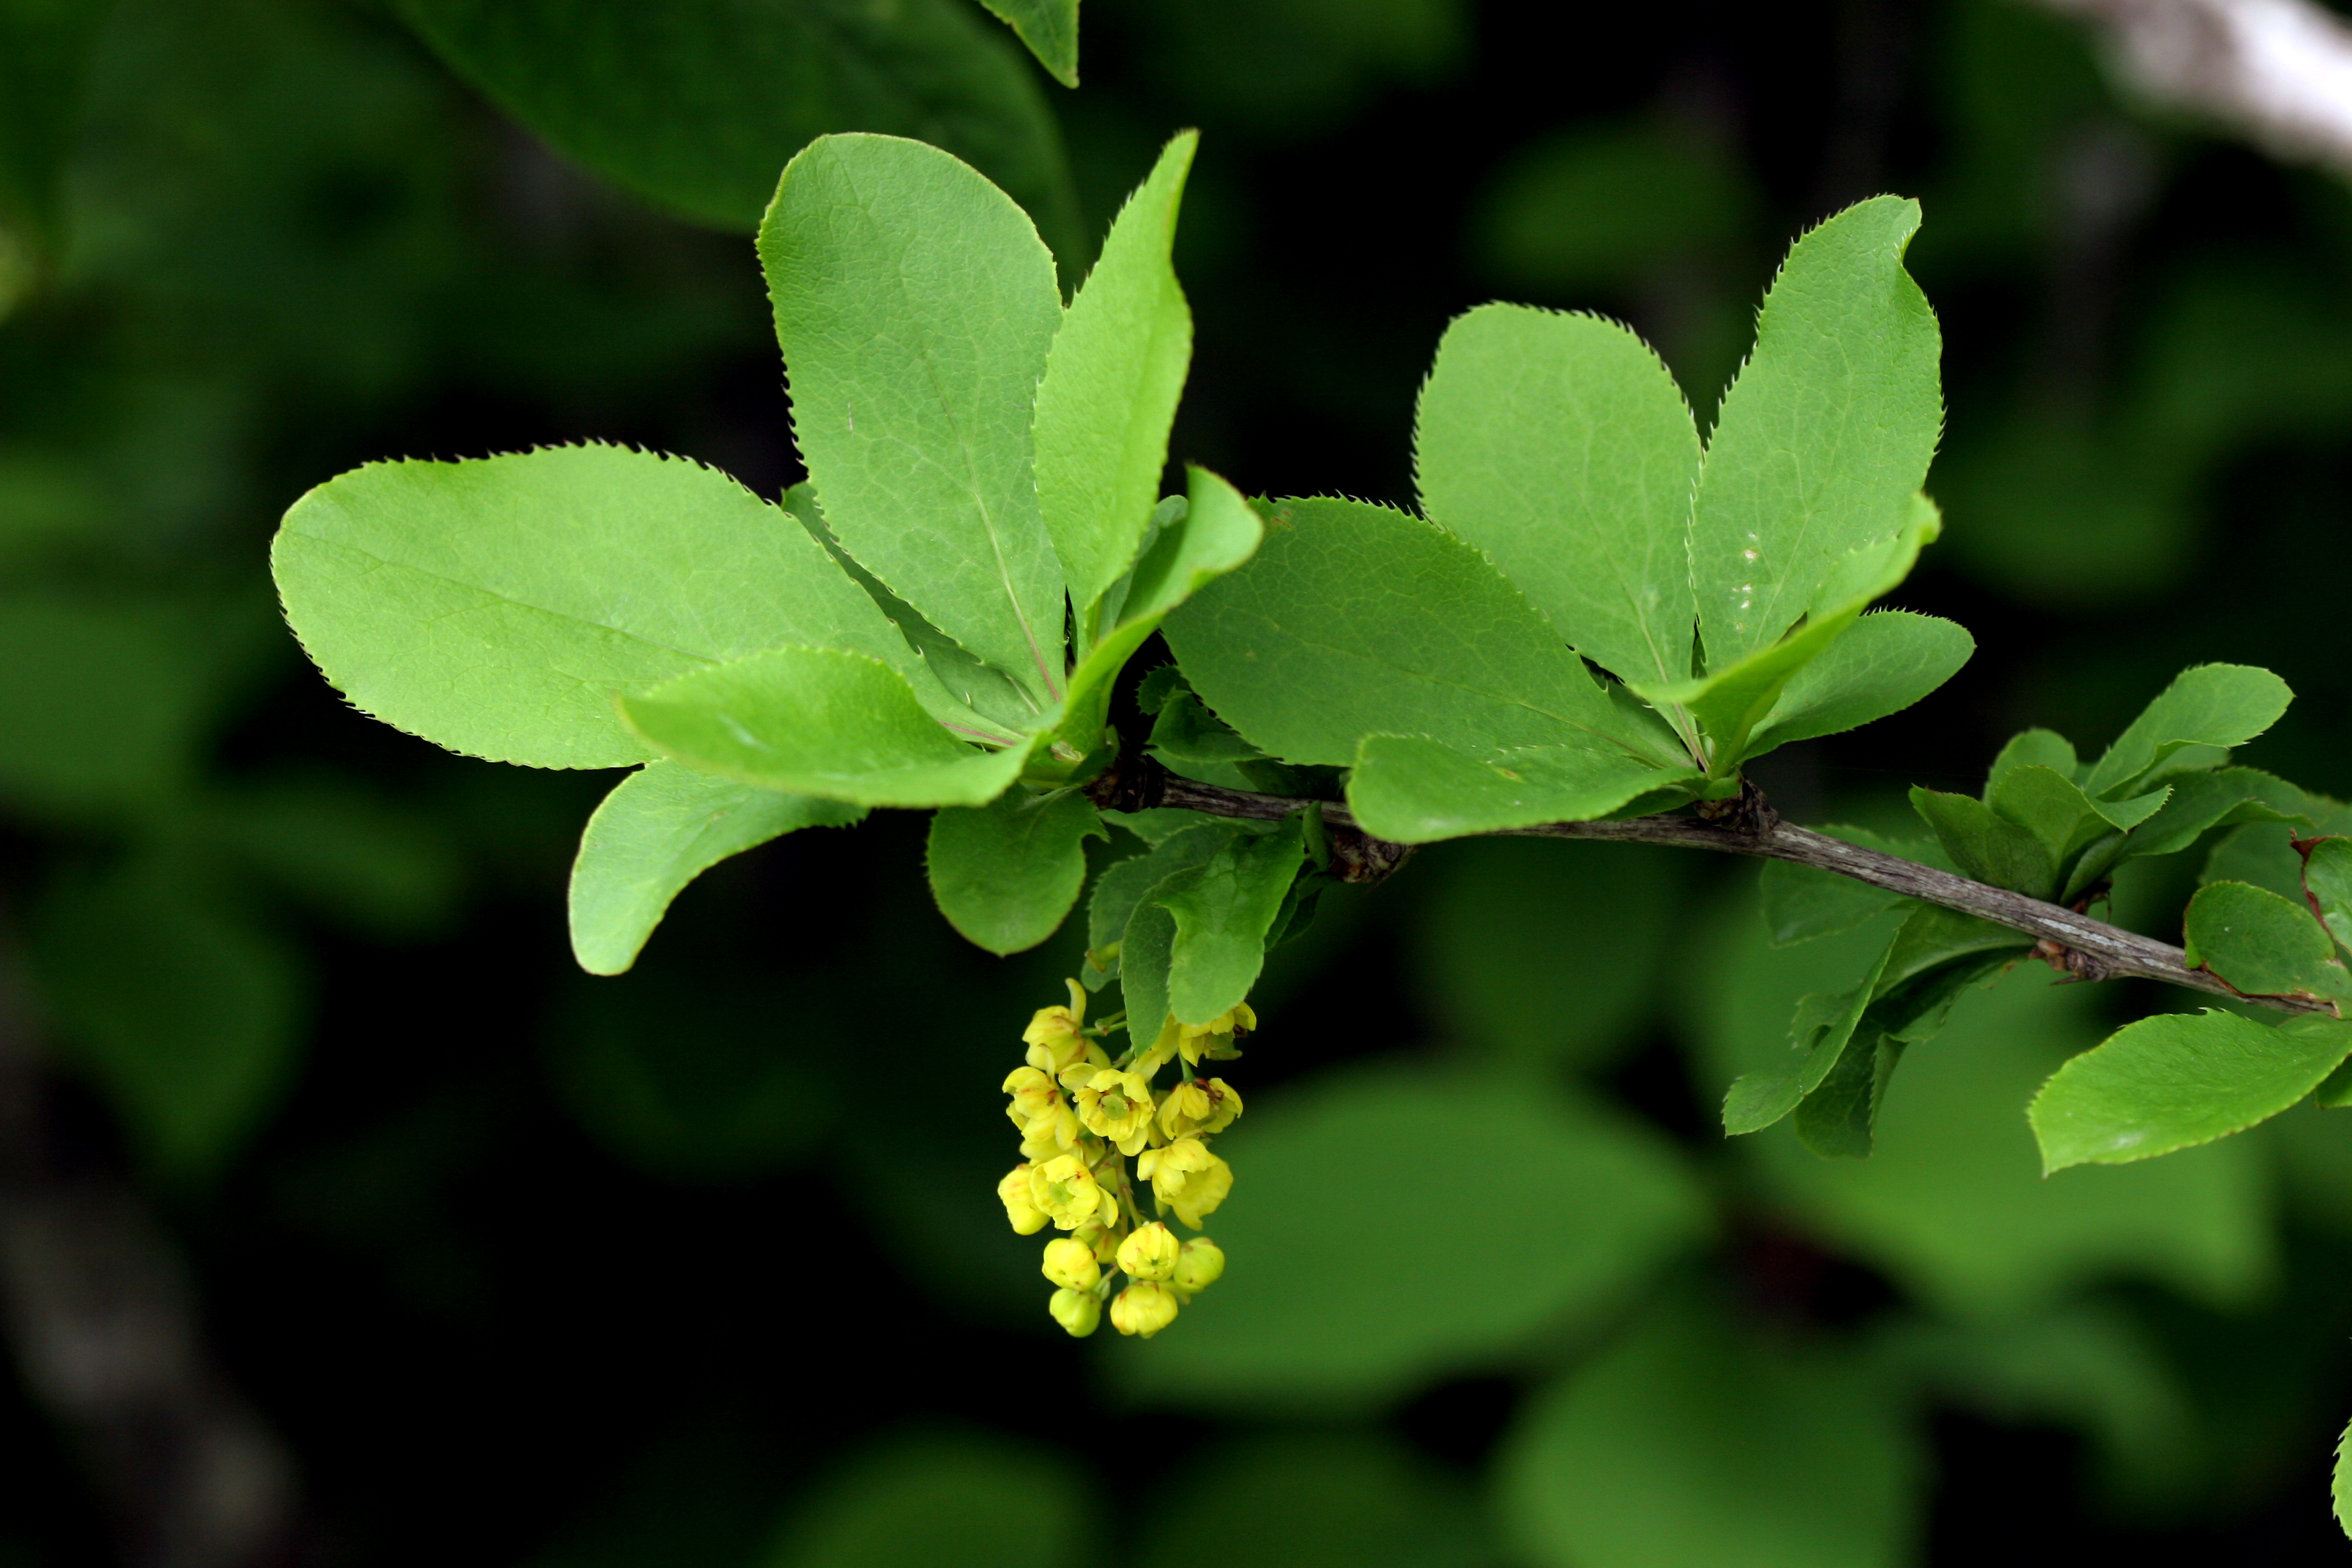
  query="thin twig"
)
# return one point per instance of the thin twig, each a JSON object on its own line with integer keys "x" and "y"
{"x": 2084, "y": 948}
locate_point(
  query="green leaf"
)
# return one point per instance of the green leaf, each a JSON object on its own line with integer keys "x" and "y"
{"x": 1147, "y": 949}
{"x": 2178, "y": 1079}
{"x": 1825, "y": 436}
{"x": 659, "y": 829}
{"x": 1544, "y": 950}
{"x": 1356, "y": 619}
{"x": 2040, "y": 748}
{"x": 2328, "y": 883}
{"x": 2340, "y": 1482}
{"x": 188, "y": 1017}
{"x": 1216, "y": 533}
{"x": 1586, "y": 1205}
{"x": 2061, "y": 817}
{"x": 962, "y": 692}
{"x": 1951, "y": 1203}
{"x": 1730, "y": 702}
{"x": 1560, "y": 446}
{"x": 1112, "y": 379}
{"x": 1186, "y": 731}
{"x": 1123, "y": 885}
{"x": 1824, "y": 1029}
{"x": 988, "y": 1501}
{"x": 1415, "y": 790}
{"x": 1883, "y": 663}
{"x": 2259, "y": 944}
{"x": 2207, "y": 705}
{"x": 1224, "y": 908}
{"x": 818, "y": 721}
{"x": 1050, "y": 28}
{"x": 2195, "y": 804}
{"x": 1690, "y": 1443}
{"x": 495, "y": 607}
{"x": 695, "y": 104}
{"x": 1987, "y": 846}
{"x": 916, "y": 304}
{"x": 1005, "y": 873}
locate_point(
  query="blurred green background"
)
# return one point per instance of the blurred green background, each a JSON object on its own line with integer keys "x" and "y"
{"x": 475, "y": 1259}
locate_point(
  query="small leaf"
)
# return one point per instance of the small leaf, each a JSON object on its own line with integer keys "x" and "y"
{"x": 1146, "y": 950}
{"x": 1560, "y": 446}
{"x": 1415, "y": 790}
{"x": 1186, "y": 731}
{"x": 2328, "y": 883}
{"x": 2039, "y": 748}
{"x": 660, "y": 829}
{"x": 2340, "y": 1483}
{"x": 1109, "y": 391}
{"x": 2213, "y": 706}
{"x": 2177, "y": 1079}
{"x": 818, "y": 721}
{"x": 695, "y": 104}
{"x": 1730, "y": 702}
{"x": 1124, "y": 885}
{"x": 1224, "y": 908}
{"x": 1217, "y": 532}
{"x": 1050, "y": 28}
{"x": 916, "y": 305}
{"x": 1825, "y": 1028}
{"x": 1005, "y": 873}
{"x": 1825, "y": 436}
{"x": 2061, "y": 817}
{"x": 1356, "y": 619}
{"x": 495, "y": 607}
{"x": 1986, "y": 845}
{"x": 2259, "y": 944}
{"x": 1883, "y": 663}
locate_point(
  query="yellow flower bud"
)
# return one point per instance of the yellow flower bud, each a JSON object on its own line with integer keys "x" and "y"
{"x": 1118, "y": 1106}
{"x": 1149, "y": 1253}
{"x": 1199, "y": 1265}
{"x": 1204, "y": 1191}
{"x": 1064, "y": 1189}
{"x": 1070, "y": 1263}
{"x": 1079, "y": 1313}
{"x": 1216, "y": 1038}
{"x": 1204, "y": 1105}
{"x": 1144, "y": 1308}
{"x": 1053, "y": 1036}
{"x": 1163, "y": 1046}
{"x": 1100, "y": 1239}
{"x": 1027, "y": 1217}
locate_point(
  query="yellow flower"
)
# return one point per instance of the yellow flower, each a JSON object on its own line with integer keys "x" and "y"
{"x": 1027, "y": 1217}
{"x": 1070, "y": 1263}
{"x": 1076, "y": 1073}
{"x": 1199, "y": 1265}
{"x": 1118, "y": 1106}
{"x": 1187, "y": 1178}
{"x": 1163, "y": 1046}
{"x": 1144, "y": 1308}
{"x": 1216, "y": 1038}
{"x": 1149, "y": 1253}
{"x": 1053, "y": 1036}
{"x": 1064, "y": 1189}
{"x": 1204, "y": 1105}
{"x": 1077, "y": 1312}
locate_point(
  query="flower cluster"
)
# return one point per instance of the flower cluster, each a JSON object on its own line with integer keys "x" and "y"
{"x": 1083, "y": 1116}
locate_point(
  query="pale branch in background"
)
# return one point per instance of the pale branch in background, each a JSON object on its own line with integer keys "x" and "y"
{"x": 2277, "y": 73}
{"x": 2084, "y": 948}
